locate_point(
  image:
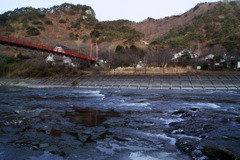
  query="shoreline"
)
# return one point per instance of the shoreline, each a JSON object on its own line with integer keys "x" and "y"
{"x": 171, "y": 81}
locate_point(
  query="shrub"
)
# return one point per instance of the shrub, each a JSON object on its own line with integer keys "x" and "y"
{"x": 41, "y": 28}
{"x": 9, "y": 60}
{"x": 9, "y": 28}
{"x": 71, "y": 35}
{"x": 133, "y": 47}
{"x": 94, "y": 39}
{"x": 119, "y": 48}
{"x": 62, "y": 21}
{"x": 25, "y": 25}
{"x": 95, "y": 33}
{"x": 76, "y": 36}
{"x": 32, "y": 31}
{"x": 84, "y": 38}
{"x": 71, "y": 12}
{"x": 36, "y": 22}
{"x": 48, "y": 22}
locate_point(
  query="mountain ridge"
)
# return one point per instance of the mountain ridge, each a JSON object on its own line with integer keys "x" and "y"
{"x": 158, "y": 27}
{"x": 76, "y": 25}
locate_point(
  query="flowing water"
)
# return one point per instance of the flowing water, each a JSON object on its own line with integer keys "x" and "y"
{"x": 70, "y": 123}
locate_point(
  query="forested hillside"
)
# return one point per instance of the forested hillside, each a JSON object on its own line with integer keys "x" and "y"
{"x": 69, "y": 24}
{"x": 218, "y": 26}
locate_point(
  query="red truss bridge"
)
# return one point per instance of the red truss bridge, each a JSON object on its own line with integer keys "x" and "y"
{"x": 46, "y": 48}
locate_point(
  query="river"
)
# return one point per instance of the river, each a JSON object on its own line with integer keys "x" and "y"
{"x": 71, "y": 123}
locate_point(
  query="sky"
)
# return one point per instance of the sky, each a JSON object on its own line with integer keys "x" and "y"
{"x": 134, "y": 10}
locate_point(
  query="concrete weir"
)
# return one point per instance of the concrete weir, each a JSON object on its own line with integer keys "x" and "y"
{"x": 161, "y": 82}
{"x": 230, "y": 82}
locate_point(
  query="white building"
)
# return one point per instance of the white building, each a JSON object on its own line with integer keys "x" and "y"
{"x": 60, "y": 59}
{"x": 185, "y": 52}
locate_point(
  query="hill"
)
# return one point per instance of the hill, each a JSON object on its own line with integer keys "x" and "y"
{"x": 71, "y": 25}
{"x": 153, "y": 28}
{"x": 76, "y": 26}
{"x": 218, "y": 24}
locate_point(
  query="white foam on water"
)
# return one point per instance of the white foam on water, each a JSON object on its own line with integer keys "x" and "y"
{"x": 106, "y": 150}
{"x": 189, "y": 137}
{"x": 112, "y": 148}
{"x": 171, "y": 140}
{"x": 203, "y": 105}
{"x": 135, "y": 104}
{"x": 137, "y": 148}
{"x": 90, "y": 93}
{"x": 211, "y": 105}
{"x": 36, "y": 112}
{"x": 168, "y": 121}
{"x": 141, "y": 156}
{"x": 177, "y": 131}
{"x": 158, "y": 156}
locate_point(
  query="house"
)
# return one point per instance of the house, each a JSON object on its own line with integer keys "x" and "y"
{"x": 60, "y": 59}
{"x": 67, "y": 60}
{"x": 54, "y": 59}
{"x": 210, "y": 56}
{"x": 206, "y": 57}
{"x": 232, "y": 62}
{"x": 185, "y": 53}
{"x": 238, "y": 63}
{"x": 61, "y": 48}
{"x": 50, "y": 58}
{"x": 197, "y": 53}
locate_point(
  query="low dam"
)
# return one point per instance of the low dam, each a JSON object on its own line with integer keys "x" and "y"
{"x": 221, "y": 82}
{"x": 161, "y": 82}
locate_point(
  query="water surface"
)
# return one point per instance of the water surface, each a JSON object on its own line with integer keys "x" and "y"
{"x": 70, "y": 123}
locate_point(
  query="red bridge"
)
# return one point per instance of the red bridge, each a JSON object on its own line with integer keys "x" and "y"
{"x": 46, "y": 48}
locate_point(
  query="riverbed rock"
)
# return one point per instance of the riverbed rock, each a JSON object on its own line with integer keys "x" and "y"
{"x": 44, "y": 145}
{"x": 182, "y": 113}
{"x": 218, "y": 153}
{"x": 56, "y": 133}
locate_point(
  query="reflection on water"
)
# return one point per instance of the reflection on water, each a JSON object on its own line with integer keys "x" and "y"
{"x": 118, "y": 124}
{"x": 83, "y": 116}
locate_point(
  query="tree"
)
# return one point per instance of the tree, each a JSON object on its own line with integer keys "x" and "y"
{"x": 217, "y": 50}
{"x": 32, "y": 31}
{"x": 119, "y": 48}
{"x": 163, "y": 57}
{"x": 95, "y": 33}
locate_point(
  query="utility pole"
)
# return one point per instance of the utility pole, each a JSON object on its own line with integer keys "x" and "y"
{"x": 198, "y": 47}
{"x": 109, "y": 57}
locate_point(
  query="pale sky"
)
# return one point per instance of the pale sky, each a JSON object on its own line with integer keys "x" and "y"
{"x": 134, "y": 10}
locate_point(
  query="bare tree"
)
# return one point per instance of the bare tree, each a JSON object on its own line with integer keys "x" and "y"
{"x": 150, "y": 59}
{"x": 163, "y": 57}
{"x": 217, "y": 50}
{"x": 127, "y": 58}
{"x": 235, "y": 53}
